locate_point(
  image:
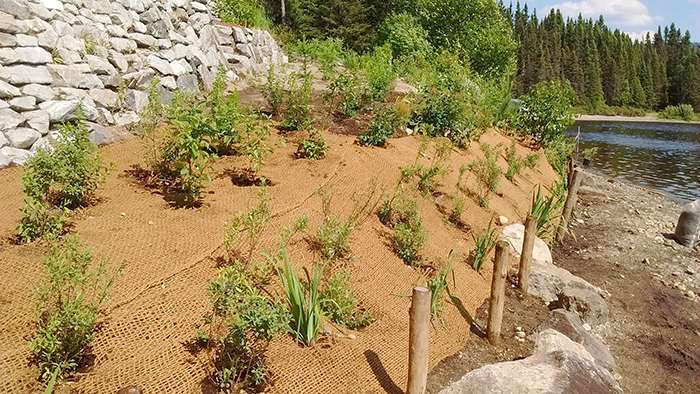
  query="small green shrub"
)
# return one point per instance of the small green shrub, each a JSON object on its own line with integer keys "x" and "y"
{"x": 517, "y": 163}
{"x": 487, "y": 172}
{"x": 255, "y": 144}
{"x": 405, "y": 36}
{"x": 298, "y": 113}
{"x": 303, "y": 300}
{"x": 382, "y": 128}
{"x": 314, "y": 147}
{"x": 457, "y": 210}
{"x": 438, "y": 286}
{"x": 378, "y": 68}
{"x": 426, "y": 175}
{"x": 273, "y": 89}
{"x": 253, "y": 223}
{"x": 239, "y": 328}
{"x": 589, "y": 153}
{"x": 547, "y": 111}
{"x": 70, "y": 298}
{"x": 340, "y": 305}
{"x": 249, "y": 13}
{"x": 484, "y": 244}
{"x": 40, "y": 221}
{"x": 328, "y": 53}
{"x": 681, "y": 112}
{"x": 347, "y": 92}
{"x": 408, "y": 240}
{"x": 557, "y": 152}
{"x": 332, "y": 238}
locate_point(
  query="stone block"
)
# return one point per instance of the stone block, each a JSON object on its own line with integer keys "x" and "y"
{"x": 8, "y": 56}
{"x": 34, "y": 55}
{"x": 40, "y": 92}
{"x": 9, "y": 119}
{"x": 22, "y": 103}
{"x": 38, "y": 120}
{"x": 22, "y": 74}
{"x": 13, "y": 156}
{"x": 7, "y": 90}
{"x": 22, "y": 138}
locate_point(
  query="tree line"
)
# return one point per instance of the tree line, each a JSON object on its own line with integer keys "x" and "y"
{"x": 605, "y": 67}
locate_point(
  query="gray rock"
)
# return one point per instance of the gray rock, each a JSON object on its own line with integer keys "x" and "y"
{"x": 547, "y": 281}
{"x": 41, "y": 143}
{"x": 139, "y": 80}
{"x": 106, "y": 115}
{"x": 199, "y": 21}
{"x": 116, "y": 31}
{"x": 160, "y": 28}
{"x": 38, "y": 120}
{"x": 180, "y": 51}
{"x": 207, "y": 77}
{"x": 71, "y": 43}
{"x": 8, "y": 24}
{"x": 118, "y": 60}
{"x": 139, "y": 27}
{"x": 160, "y": 65}
{"x": 514, "y": 235}
{"x": 61, "y": 111}
{"x": 3, "y": 142}
{"x": 99, "y": 135}
{"x": 22, "y": 75}
{"x": 150, "y": 15}
{"x": 168, "y": 82}
{"x": 143, "y": 40}
{"x": 191, "y": 35}
{"x": 34, "y": 55}
{"x": 135, "y": 100}
{"x": 208, "y": 37}
{"x": 40, "y": 92}
{"x": 105, "y": 98}
{"x": 239, "y": 34}
{"x": 22, "y": 103}
{"x": 7, "y": 40}
{"x": 197, "y": 58}
{"x": 9, "y": 119}
{"x": 62, "y": 28}
{"x": 245, "y": 50}
{"x": 53, "y": 4}
{"x": 48, "y": 39}
{"x": 15, "y": 157}
{"x": 22, "y": 138}
{"x": 100, "y": 65}
{"x": 188, "y": 83}
{"x": 7, "y": 90}
{"x": 4, "y": 160}
{"x": 550, "y": 340}
{"x": 65, "y": 75}
{"x": 109, "y": 81}
{"x": 199, "y": 7}
{"x": 68, "y": 57}
{"x": 16, "y": 8}
{"x": 8, "y": 56}
{"x": 126, "y": 118}
{"x": 177, "y": 38}
{"x": 166, "y": 96}
{"x": 585, "y": 302}
{"x": 4, "y": 104}
{"x": 123, "y": 45}
{"x": 24, "y": 40}
{"x": 75, "y": 94}
{"x": 550, "y": 373}
{"x": 569, "y": 324}
{"x": 136, "y": 5}
{"x": 180, "y": 67}
{"x": 224, "y": 35}
{"x": 163, "y": 43}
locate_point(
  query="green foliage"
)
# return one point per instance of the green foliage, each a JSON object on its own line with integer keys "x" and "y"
{"x": 426, "y": 175}
{"x": 378, "y": 69}
{"x": 239, "y": 328}
{"x": 457, "y": 210}
{"x": 314, "y": 147}
{"x": 408, "y": 239}
{"x": 544, "y": 208}
{"x": 303, "y": 299}
{"x": 681, "y": 112}
{"x": 474, "y": 29}
{"x": 253, "y": 223}
{"x": 57, "y": 179}
{"x": 382, "y": 128}
{"x": 249, "y": 13}
{"x": 348, "y": 92}
{"x": 339, "y": 303}
{"x": 589, "y": 153}
{"x": 298, "y": 114}
{"x": 332, "y": 238}
{"x": 405, "y": 36}
{"x": 557, "y": 152}
{"x": 438, "y": 286}
{"x": 484, "y": 244}
{"x": 517, "y": 163}
{"x": 273, "y": 89}
{"x": 255, "y": 144}
{"x": 547, "y": 111}
{"x": 487, "y": 172}
{"x": 70, "y": 298}
{"x": 329, "y": 54}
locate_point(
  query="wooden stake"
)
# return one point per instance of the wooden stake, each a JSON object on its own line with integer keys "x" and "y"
{"x": 526, "y": 253}
{"x": 419, "y": 338}
{"x": 570, "y": 203}
{"x": 498, "y": 289}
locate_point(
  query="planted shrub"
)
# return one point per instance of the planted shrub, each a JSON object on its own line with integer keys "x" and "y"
{"x": 70, "y": 298}
{"x": 487, "y": 172}
{"x": 273, "y": 89}
{"x": 405, "y": 36}
{"x": 347, "y": 92}
{"x": 438, "y": 286}
{"x": 381, "y": 129}
{"x": 298, "y": 113}
{"x": 238, "y": 329}
{"x": 59, "y": 178}
{"x": 339, "y": 303}
{"x": 547, "y": 111}
{"x": 314, "y": 147}
{"x": 328, "y": 53}
{"x": 379, "y": 71}
{"x": 544, "y": 208}
{"x": 252, "y": 223}
{"x": 408, "y": 239}
{"x": 517, "y": 163}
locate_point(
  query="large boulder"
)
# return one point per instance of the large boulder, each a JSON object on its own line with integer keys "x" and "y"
{"x": 514, "y": 235}
{"x": 557, "y": 372}
{"x": 570, "y": 325}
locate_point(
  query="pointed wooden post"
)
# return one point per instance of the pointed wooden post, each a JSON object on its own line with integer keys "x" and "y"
{"x": 498, "y": 292}
{"x": 570, "y": 203}
{"x": 526, "y": 253}
{"x": 419, "y": 339}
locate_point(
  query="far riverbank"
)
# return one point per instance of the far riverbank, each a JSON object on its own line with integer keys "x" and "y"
{"x": 640, "y": 119}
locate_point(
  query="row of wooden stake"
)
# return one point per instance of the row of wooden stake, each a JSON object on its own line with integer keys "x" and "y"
{"x": 419, "y": 330}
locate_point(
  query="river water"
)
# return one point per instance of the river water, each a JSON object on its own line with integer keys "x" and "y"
{"x": 659, "y": 156}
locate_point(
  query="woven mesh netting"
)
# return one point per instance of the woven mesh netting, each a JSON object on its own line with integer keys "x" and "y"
{"x": 158, "y": 302}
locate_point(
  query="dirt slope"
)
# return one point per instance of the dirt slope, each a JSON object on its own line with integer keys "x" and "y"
{"x": 170, "y": 253}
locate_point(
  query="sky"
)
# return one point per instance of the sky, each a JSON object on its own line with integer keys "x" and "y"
{"x": 634, "y": 17}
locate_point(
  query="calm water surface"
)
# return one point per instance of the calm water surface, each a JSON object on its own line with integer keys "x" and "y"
{"x": 659, "y": 156}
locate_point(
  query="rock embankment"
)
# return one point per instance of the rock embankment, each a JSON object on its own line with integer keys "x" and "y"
{"x": 104, "y": 55}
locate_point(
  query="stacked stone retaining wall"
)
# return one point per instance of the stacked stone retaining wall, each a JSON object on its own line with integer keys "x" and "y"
{"x": 103, "y": 55}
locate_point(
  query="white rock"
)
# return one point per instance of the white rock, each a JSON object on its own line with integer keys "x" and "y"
{"x": 135, "y": 100}
{"x": 180, "y": 67}
{"x": 22, "y": 103}
{"x": 168, "y": 82}
{"x": 502, "y": 220}
{"x": 53, "y": 4}
{"x": 105, "y": 98}
{"x": 7, "y": 90}
{"x": 4, "y": 160}
{"x": 550, "y": 340}
{"x": 3, "y": 142}
{"x": 160, "y": 65}
{"x": 41, "y": 143}
{"x": 118, "y": 60}
{"x": 514, "y": 234}
{"x": 60, "y": 111}
{"x": 22, "y": 138}
{"x": 71, "y": 43}
{"x": 100, "y": 65}
{"x": 9, "y": 119}
{"x": 8, "y": 56}
{"x": 139, "y": 27}
{"x": 15, "y": 156}
{"x": 40, "y": 92}
{"x": 126, "y": 118}
{"x": 7, "y": 40}
{"x": 38, "y": 120}
{"x": 34, "y": 55}
{"x": 143, "y": 40}
{"x": 48, "y": 39}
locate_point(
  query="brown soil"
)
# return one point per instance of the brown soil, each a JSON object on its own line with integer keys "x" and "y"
{"x": 171, "y": 253}
{"x": 623, "y": 245}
